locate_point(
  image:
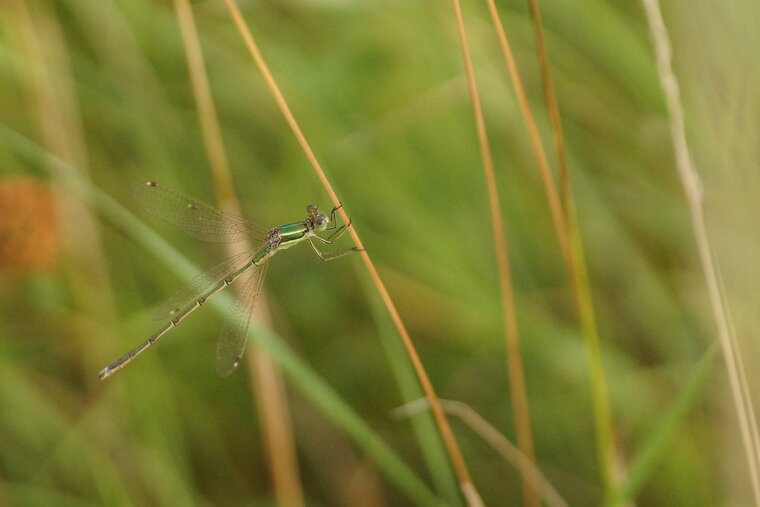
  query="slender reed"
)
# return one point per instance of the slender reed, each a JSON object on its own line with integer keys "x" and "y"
{"x": 313, "y": 387}
{"x": 570, "y": 242}
{"x": 265, "y": 376}
{"x": 551, "y": 105}
{"x": 501, "y": 444}
{"x": 514, "y": 361}
{"x": 51, "y": 90}
{"x": 692, "y": 187}
{"x": 455, "y": 455}
{"x": 645, "y": 462}
{"x": 555, "y": 208}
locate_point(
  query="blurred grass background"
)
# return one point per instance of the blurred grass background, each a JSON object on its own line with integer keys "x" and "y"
{"x": 380, "y": 93}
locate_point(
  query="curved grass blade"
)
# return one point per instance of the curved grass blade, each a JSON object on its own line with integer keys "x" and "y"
{"x": 232, "y": 338}
{"x": 200, "y": 220}
{"x": 199, "y": 285}
{"x": 303, "y": 377}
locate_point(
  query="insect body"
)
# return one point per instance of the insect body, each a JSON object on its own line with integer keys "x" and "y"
{"x": 207, "y": 223}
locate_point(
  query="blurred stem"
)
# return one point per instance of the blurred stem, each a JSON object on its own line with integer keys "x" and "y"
{"x": 313, "y": 387}
{"x": 551, "y": 105}
{"x": 455, "y": 455}
{"x": 500, "y": 443}
{"x": 88, "y": 430}
{"x": 514, "y": 362}
{"x": 555, "y": 208}
{"x": 566, "y": 228}
{"x": 644, "y": 463}
{"x": 266, "y": 379}
{"x": 209, "y": 121}
{"x": 423, "y": 424}
{"x": 51, "y": 91}
{"x": 692, "y": 187}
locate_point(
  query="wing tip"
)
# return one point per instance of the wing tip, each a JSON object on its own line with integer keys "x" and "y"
{"x": 228, "y": 369}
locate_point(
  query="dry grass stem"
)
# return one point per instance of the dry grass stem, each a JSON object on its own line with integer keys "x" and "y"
{"x": 455, "y": 455}
{"x": 501, "y": 444}
{"x": 213, "y": 141}
{"x": 277, "y": 428}
{"x": 551, "y": 105}
{"x": 52, "y": 91}
{"x": 265, "y": 377}
{"x": 569, "y": 239}
{"x": 693, "y": 189}
{"x": 514, "y": 361}
{"x": 544, "y": 170}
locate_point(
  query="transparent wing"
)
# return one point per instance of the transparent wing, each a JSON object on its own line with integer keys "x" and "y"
{"x": 234, "y": 334}
{"x": 201, "y": 285}
{"x": 195, "y": 217}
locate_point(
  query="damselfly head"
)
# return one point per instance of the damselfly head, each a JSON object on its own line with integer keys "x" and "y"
{"x": 318, "y": 218}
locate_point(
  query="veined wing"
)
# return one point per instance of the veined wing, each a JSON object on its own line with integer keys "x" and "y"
{"x": 201, "y": 285}
{"x": 195, "y": 217}
{"x": 234, "y": 334}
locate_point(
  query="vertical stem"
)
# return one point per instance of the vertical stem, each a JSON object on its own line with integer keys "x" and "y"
{"x": 693, "y": 189}
{"x": 514, "y": 363}
{"x": 455, "y": 455}
{"x": 52, "y": 92}
{"x": 551, "y": 105}
{"x": 265, "y": 376}
{"x": 566, "y": 228}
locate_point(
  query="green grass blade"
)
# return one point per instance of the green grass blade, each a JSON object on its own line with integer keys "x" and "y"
{"x": 422, "y": 423}
{"x": 308, "y": 382}
{"x": 645, "y": 462}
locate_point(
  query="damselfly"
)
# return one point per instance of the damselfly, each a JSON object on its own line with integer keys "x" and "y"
{"x": 205, "y": 222}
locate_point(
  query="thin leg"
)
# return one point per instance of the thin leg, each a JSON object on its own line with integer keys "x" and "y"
{"x": 337, "y": 234}
{"x": 329, "y": 240}
{"x": 328, "y": 256}
{"x": 334, "y": 236}
{"x": 332, "y": 213}
{"x": 332, "y": 217}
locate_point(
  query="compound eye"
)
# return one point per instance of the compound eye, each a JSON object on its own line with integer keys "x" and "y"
{"x": 320, "y": 218}
{"x": 311, "y": 209}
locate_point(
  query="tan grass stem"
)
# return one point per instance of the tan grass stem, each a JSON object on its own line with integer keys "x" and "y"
{"x": 265, "y": 377}
{"x": 209, "y": 122}
{"x": 693, "y": 190}
{"x": 455, "y": 455}
{"x": 52, "y": 92}
{"x": 501, "y": 444}
{"x": 565, "y": 225}
{"x": 514, "y": 361}
{"x": 555, "y": 207}
{"x": 551, "y": 104}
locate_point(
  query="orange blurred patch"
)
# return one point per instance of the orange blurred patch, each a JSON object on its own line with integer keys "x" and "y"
{"x": 28, "y": 235}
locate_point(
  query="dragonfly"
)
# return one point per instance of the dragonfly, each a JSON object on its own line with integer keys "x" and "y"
{"x": 207, "y": 223}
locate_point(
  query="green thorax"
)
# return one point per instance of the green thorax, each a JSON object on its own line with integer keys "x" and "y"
{"x": 281, "y": 238}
